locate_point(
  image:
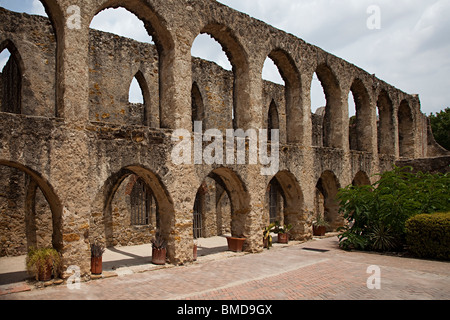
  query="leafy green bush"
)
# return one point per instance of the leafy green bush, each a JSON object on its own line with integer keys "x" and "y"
{"x": 377, "y": 213}
{"x": 428, "y": 235}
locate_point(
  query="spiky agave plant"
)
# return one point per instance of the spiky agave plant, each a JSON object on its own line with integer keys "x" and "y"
{"x": 158, "y": 242}
{"x": 383, "y": 238}
{"x": 97, "y": 250}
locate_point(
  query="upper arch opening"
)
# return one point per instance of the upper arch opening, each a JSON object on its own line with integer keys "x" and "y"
{"x": 333, "y": 115}
{"x": 11, "y": 72}
{"x": 237, "y": 58}
{"x": 360, "y": 131}
{"x": 293, "y": 94}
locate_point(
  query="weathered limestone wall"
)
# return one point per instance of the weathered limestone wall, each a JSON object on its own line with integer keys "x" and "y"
{"x": 113, "y": 63}
{"x": 80, "y": 141}
{"x": 31, "y": 41}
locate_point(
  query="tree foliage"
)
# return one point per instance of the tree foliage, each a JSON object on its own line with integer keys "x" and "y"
{"x": 440, "y": 124}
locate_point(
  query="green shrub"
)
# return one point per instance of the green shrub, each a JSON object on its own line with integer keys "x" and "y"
{"x": 428, "y": 235}
{"x": 377, "y": 213}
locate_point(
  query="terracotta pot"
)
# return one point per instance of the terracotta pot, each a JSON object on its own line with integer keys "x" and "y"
{"x": 96, "y": 265}
{"x": 266, "y": 242}
{"x": 159, "y": 256}
{"x": 45, "y": 274}
{"x": 235, "y": 244}
{"x": 283, "y": 237}
{"x": 195, "y": 252}
{"x": 319, "y": 231}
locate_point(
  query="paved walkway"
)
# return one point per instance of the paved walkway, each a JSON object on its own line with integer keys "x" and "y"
{"x": 316, "y": 269}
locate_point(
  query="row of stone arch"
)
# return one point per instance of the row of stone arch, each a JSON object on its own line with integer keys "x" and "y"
{"x": 100, "y": 224}
{"x": 363, "y": 128}
{"x": 296, "y": 60}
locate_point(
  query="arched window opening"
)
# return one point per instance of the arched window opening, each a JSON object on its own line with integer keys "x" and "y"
{"x": 228, "y": 55}
{"x": 360, "y": 125}
{"x": 318, "y": 99}
{"x": 273, "y": 121}
{"x": 276, "y": 202}
{"x": 283, "y": 69}
{"x": 121, "y": 22}
{"x": 218, "y": 210}
{"x": 361, "y": 179}
{"x": 386, "y": 136}
{"x": 405, "y": 131}
{"x": 135, "y": 93}
{"x": 198, "y": 109}
{"x": 207, "y": 48}
{"x": 352, "y": 135}
{"x": 318, "y": 103}
{"x": 197, "y": 227}
{"x": 284, "y": 203}
{"x": 138, "y": 96}
{"x": 212, "y": 209}
{"x": 34, "y": 7}
{"x": 30, "y": 212}
{"x": 10, "y": 80}
{"x": 326, "y": 203}
{"x": 131, "y": 216}
{"x": 130, "y": 208}
{"x": 332, "y": 127}
{"x": 143, "y": 206}
{"x": 112, "y": 64}
{"x": 271, "y": 73}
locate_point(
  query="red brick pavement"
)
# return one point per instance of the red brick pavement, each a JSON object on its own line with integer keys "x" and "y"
{"x": 277, "y": 274}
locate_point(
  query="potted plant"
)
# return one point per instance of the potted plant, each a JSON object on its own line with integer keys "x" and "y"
{"x": 283, "y": 232}
{"x": 159, "y": 246}
{"x": 43, "y": 263}
{"x": 235, "y": 243}
{"x": 320, "y": 226}
{"x": 96, "y": 258}
{"x": 267, "y": 237}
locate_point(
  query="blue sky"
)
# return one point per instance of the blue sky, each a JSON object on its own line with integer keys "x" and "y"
{"x": 410, "y": 50}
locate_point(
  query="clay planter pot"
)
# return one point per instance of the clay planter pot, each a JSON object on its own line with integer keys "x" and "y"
{"x": 319, "y": 231}
{"x": 96, "y": 265}
{"x": 283, "y": 237}
{"x": 45, "y": 274}
{"x": 195, "y": 252}
{"x": 235, "y": 244}
{"x": 266, "y": 242}
{"x": 159, "y": 256}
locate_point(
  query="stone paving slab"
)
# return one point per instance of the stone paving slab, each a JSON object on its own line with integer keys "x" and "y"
{"x": 315, "y": 270}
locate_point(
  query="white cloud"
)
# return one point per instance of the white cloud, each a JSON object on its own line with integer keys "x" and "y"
{"x": 38, "y": 8}
{"x": 121, "y": 22}
{"x": 410, "y": 51}
{"x": 207, "y": 48}
{"x": 4, "y": 57}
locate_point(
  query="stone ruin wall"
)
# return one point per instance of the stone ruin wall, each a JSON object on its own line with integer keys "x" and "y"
{"x": 72, "y": 172}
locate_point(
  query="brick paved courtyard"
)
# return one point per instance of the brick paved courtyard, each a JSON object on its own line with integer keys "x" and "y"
{"x": 299, "y": 272}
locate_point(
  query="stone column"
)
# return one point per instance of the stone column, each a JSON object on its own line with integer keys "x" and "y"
{"x": 70, "y": 153}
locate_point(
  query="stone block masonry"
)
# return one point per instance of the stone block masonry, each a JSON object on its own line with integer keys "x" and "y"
{"x": 79, "y": 163}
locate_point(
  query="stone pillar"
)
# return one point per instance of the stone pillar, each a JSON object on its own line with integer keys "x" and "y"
{"x": 70, "y": 154}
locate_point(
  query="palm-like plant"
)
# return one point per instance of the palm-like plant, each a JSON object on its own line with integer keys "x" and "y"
{"x": 383, "y": 238}
{"x": 266, "y": 234}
